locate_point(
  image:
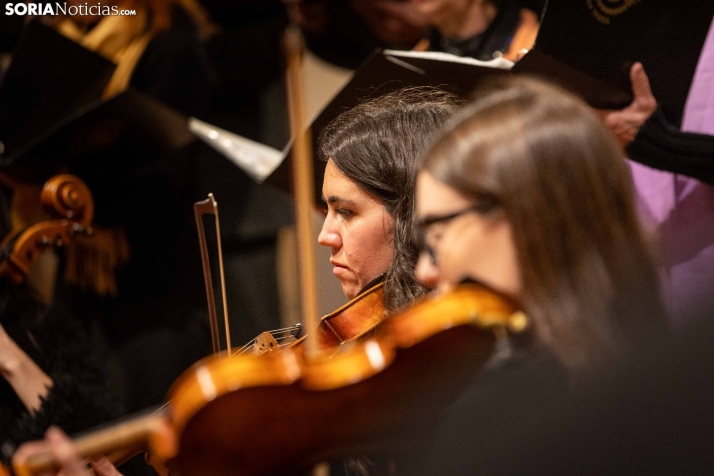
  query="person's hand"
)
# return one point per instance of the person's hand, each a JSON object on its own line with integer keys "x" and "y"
{"x": 626, "y": 122}
{"x": 27, "y": 379}
{"x": 8, "y": 357}
{"x": 65, "y": 454}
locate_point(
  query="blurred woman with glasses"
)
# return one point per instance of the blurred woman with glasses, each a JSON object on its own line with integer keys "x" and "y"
{"x": 527, "y": 193}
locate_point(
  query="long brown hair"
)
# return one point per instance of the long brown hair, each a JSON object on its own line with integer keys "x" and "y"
{"x": 378, "y": 145}
{"x": 557, "y": 174}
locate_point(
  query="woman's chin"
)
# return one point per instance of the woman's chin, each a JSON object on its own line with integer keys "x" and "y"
{"x": 350, "y": 289}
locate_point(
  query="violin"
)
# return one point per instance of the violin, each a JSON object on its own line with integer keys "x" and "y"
{"x": 68, "y": 199}
{"x": 260, "y": 415}
{"x": 151, "y": 432}
{"x": 372, "y": 396}
{"x": 351, "y": 321}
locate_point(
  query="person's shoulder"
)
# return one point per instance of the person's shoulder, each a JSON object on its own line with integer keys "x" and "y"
{"x": 512, "y": 393}
{"x": 519, "y": 371}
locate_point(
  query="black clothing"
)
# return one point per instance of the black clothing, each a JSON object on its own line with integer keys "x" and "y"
{"x": 662, "y": 146}
{"x": 486, "y": 415}
{"x": 651, "y": 415}
{"x": 488, "y": 45}
{"x": 175, "y": 68}
{"x": 346, "y": 40}
{"x": 80, "y": 397}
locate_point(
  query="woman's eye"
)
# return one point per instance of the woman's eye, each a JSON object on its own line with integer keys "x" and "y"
{"x": 433, "y": 238}
{"x": 343, "y": 212}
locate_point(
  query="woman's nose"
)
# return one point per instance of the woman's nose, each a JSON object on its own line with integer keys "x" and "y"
{"x": 426, "y": 272}
{"x": 328, "y": 235}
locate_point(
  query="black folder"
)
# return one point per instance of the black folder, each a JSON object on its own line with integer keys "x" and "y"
{"x": 49, "y": 78}
{"x": 109, "y": 134}
{"x": 112, "y": 145}
{"x": 588, "y": 46}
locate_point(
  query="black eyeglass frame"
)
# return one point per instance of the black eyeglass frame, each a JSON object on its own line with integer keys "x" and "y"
{"x": 422, "y": 225}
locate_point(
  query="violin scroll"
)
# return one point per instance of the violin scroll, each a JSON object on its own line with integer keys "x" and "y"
{"x": 64, "y": 196}
{"x": 68, "y": 197}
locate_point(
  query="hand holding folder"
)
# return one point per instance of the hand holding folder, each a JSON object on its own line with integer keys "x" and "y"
{"x": 626, "y": 122}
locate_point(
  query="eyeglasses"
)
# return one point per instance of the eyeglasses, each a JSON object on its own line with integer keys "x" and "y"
{"x": 485, "y": 203}
{"x": 422, "y": 226}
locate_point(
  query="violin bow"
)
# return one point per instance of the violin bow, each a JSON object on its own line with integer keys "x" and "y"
{"x": 209, "y": 206}
{"x": 120, "y": 441}
{"x": 303, "y": 183}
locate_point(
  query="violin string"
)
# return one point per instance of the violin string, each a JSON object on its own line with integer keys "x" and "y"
{"x": 275, "y": 333}
{"x": 286, "y": 329}
{"x": 245, "y": 347}
{"x": 248, "y": 346}
{"x": 290, "y": 338}
{"x": 162, "y": 408}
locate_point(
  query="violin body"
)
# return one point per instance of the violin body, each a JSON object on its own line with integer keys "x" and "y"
{"x": 352, "y": 321}
{"x": 285, "y": 411}
{"x": 282, "y": 412}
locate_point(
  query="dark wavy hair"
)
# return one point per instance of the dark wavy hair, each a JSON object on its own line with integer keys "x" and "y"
{"x": 378, "y": 145}
{"x": 546, "y": 162}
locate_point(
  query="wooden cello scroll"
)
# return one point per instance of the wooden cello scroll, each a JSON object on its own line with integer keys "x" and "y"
{"x": 210, "y": 207}
{"x": 68, "y": 199}
{"x": 303, "y": 184}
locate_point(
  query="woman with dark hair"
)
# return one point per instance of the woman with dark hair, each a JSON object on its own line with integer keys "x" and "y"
{"x": 371, "y": 153}
{"x": 527, "y": 193}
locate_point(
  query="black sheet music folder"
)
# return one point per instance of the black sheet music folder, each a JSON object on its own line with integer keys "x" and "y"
{"x": 588, "y": 46}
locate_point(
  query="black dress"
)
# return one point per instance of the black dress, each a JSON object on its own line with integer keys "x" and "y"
{"x": 487, "y": 414}
{"x": 80, "y": 397}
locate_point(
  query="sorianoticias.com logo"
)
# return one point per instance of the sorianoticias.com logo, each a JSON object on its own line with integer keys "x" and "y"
{"x": 55, "y": 9}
